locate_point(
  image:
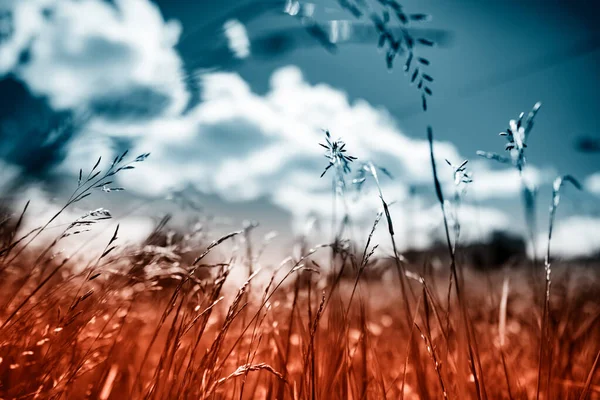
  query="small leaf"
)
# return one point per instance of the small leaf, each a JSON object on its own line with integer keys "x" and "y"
{"x": 438, "y": 186}
{"x": 326, "y": 168}
{"x": 389, "y": 58}
{"x": 386, "y": 172}
{"x": 414, "y": 75}
{"x": 410, "y": 42}
{"x": 94, "y": 276}
{"x": 102, "y": 184}
{"x": 420, "y": 17}
{"x": 114, "y": 237}
{"x": 388, "y": 217}
{"x": 381, "y": 41}
{"x": 97, "y": 163}
{"x": 91, "y": 178}
{"x": 408, "y": 61}
{"x": 123, "y": 156}
{"x": 394, "y": 5}
{"x": 86, "y": 295}
{"x": 425, "y": 42}
{"x": 573, "y": 180}
{"x": 142, "y": 157}
{"x": 108, "y": 251}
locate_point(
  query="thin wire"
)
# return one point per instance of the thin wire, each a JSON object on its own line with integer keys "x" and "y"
{"x": 577, "y": 49}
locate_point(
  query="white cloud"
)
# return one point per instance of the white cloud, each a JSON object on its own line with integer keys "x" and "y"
{"x": 237, "y": 38}
{"x": 235, "y": 143}
{"x": 573, "y": 236}
{"x": 110, "y": 59}
{"x": 242, "y": 143}
{"x": 242, "y": 146}
{"x": 504, "y": 183}
{"x": 592, "y": 183}
{"x": 91, "y": 54}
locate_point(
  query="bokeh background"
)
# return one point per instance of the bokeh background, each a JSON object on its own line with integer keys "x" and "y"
{"x": 231, "y": 99}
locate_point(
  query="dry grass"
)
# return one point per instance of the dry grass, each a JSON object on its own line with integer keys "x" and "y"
{"x": 292, "y": 332}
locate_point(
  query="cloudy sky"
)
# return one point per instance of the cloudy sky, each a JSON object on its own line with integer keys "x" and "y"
{"x": 231, "y": 98}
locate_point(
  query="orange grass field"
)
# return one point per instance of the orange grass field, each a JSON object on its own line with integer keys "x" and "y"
{"x": 143, "y": 323}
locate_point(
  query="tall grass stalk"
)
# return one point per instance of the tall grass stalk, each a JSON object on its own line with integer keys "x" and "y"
{"x": 451, "y": 250}
{"x": 545, "y": 337}
{"x": 517, "y": 135}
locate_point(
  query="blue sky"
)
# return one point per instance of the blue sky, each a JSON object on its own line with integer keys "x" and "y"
{"x": 194, "y": 84}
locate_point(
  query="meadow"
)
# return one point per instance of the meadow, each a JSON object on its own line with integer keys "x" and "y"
{"x": 169, "y": 319}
